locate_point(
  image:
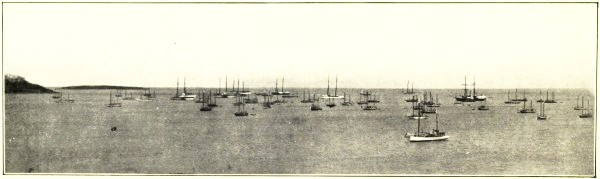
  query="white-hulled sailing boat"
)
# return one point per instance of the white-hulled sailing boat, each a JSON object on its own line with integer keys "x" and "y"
{"x": 328, "y": 95}
{"x": 282, "y": 92}
{"x": 421, "y": 136}
{"x": 111, "y": 103}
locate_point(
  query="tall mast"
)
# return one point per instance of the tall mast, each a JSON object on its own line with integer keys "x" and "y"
{"x": 184, "y": 85}
{"x": 465, "y": 86}
{"x": 282, "y": 82}
{"x": 225, "y": 83}
{"x": 233, "y": 86}
{"x": 238, "y": 89}
{"x": 328, "y": 86}
{"x": 219, "y": 85}
{"x": 474, "y": 93}
{"x": 407, "y": 82}
{"x": 336, "y": 79}
{"x": 276, "y": 88}
{"x": 177, "y": 89}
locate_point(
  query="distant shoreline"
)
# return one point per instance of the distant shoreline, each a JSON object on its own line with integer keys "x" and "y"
{"x": 96, "y": 87}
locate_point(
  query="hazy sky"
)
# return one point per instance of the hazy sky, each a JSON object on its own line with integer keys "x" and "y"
{"x": 368, "y": 45}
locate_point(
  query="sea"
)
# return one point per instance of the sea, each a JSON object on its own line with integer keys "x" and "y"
{"x": 165, "y": 136}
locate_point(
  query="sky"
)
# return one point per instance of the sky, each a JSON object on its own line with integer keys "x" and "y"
{"x": 501, "y": 45}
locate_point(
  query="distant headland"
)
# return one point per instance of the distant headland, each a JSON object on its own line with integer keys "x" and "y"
{"x": 87, "y": 87}
{"x": 18, "y": 84}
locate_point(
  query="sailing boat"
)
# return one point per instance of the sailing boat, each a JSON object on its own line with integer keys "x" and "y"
{"x": 417, "y": 108}
{"x": 540, "y": 100}
{"x": 205, "y": 107}
{"x": 176, "y": 97}
{"x": 130, "y": 97}
{"x": 367, "y": 106}
{"x": 304, "y": 100}
{"x": 437, "y": 102}
{"x": 579, "y": 107}
{"x": 315, "y": 105}
{"x": 251, "y": 100}
{"x": 241, "y": 110}
{"x": 118, "y": 94}
{"x": 68, "y": 100}
{"x": 347, "y": 103}
{"x": 519, "y": 99}
{"x": 224, "y": 94}
{"x": 331, "y": 103}
{"x": 267, "y": 102}
{"x": 111, "y": 103}
{"x": 587, "y": 113}
{"x": 542, "y": 115}
{"x": 185, "y": 95}
{"x": 465, "y": 97}
{"x": 277, "y": 92}
{"x": 421, "y": 136}
{"x": 245, "y": 92}
{"x": 212, "y": 101}
{"x": 551, "y": 100}
{"x": 413, "y": 98}
{"x": 328, "y": 95}
{"x": 412, "y": 91}
{"x": 57, "y": 95}
{"x": 527, "y": 110}
{"x": 509, "y": 101}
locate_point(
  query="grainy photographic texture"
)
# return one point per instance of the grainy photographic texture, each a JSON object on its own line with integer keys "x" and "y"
{"x": 444, "y": 89}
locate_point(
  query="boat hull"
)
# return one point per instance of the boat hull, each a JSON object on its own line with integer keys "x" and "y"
{"x": 427, "y": 139}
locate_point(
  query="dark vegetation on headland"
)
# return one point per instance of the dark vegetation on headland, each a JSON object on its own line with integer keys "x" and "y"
{"x": 86, "y": 87}
{"x": 18, "y": 84}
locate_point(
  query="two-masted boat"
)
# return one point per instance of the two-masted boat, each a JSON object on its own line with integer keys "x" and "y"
{"x": 366, "y": 105}
{"x": 527, "y": 110}
{"x": 282, "y": 92}
{"x": 204, "y": 106}
{"x": 510, "y": 101}
{"x": 578, "y": 107}
{"x": 519, "y": 99}
{"x": 241, "y": 110}
{"x": 542, "y": 114}
{"x": 111, "y": 103}
{"x": 347, "y": 102}
{"x": 470, "y": 98}
{"x": 549, "y": 100}
{"x": 586, "y": 112}
{"x": 334, "y": 95}
{"x": 422, "y": 136}
{"x": 304, "y": 99}
{"x": 315, "y": 104}
{"x": 183, "y": 96}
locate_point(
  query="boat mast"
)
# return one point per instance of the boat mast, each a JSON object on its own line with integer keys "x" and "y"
{"x": 219, "y": 85}
{"x": 177, "y": 89}
{"x": 225, "y": 83}
{"x": 465, "y": 94}
{"x": 282, "y": 82}
{"x": 474, "y": 93}
{"x": 328, "y": 86}
{"x": 276, "y": 87}
{"x": 336, "y": 79}
{"x": 238, "y": 88}
{"x": 184, "y": 92}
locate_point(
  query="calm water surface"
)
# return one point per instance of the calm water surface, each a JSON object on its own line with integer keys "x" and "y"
{"x": 165, "y": 136}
